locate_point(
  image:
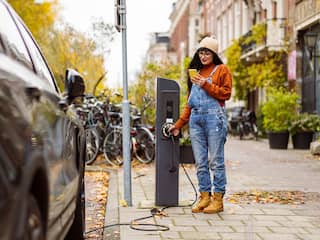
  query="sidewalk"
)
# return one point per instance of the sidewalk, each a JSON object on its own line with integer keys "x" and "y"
{"x": 250, "y": 166}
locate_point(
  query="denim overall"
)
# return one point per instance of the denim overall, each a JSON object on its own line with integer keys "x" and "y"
{"x": 208, "y": 132}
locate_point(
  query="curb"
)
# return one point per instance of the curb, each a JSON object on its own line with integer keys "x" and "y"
{"x": 112, "y": 208}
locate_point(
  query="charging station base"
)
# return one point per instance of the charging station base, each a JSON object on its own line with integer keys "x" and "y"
{"x": 167, "y": 149}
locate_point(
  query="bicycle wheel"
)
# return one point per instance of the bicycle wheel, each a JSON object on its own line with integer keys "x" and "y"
{"x": 112, "y": 148}
{"x": 92, "y": 145}
{"x": 145, "y": 148}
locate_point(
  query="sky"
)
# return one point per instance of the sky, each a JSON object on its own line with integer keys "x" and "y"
{"x": 143, "y": 17}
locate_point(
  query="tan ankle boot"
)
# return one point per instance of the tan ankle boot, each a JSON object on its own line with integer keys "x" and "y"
{"x": 216, "y": 204}
{"x": 202, "y": 203}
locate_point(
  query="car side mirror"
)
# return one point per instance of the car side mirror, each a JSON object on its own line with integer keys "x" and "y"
{"x": 74, "y": 84}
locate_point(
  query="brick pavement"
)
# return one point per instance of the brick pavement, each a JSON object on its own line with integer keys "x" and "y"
{"x": 250, "y": 165}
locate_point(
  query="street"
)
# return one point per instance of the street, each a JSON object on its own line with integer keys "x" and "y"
{"x": 253, "y": 170}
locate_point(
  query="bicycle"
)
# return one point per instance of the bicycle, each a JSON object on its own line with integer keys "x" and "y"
{"x": 92, "y": 140}
{"x": 142, "y": 144}
{"x": 145, "y": 144}
{"x": 112, "y": 146}
{"x": 90, "y": 114}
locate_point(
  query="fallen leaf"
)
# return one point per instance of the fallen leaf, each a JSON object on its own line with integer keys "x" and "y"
{"x": 280, "y": 197}
{"x": 123, "y": 203}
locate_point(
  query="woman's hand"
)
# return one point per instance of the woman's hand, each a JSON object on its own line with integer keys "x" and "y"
{"x": 175, "y": 131}
{"x": 198, "y": 80}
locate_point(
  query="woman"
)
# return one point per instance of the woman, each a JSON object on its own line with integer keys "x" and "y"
{"x": 205, "y": 112}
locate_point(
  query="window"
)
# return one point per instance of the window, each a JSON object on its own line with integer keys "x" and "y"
{"x": 39, "y": 63}
{"x": 245, "y": 16}
{"x": 12, "y": 38}
{"x": 263, "y": 14}
{"x": 224, "y": 31}
{"x": 257, "y": 17}
{"x": 230, "y": 26}
{"x": 219, "y": 31}
{"x": 237, "y": 19}
{"x": 274, "y": 10}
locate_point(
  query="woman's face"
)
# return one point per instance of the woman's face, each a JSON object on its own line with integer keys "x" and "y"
{"x": 206, "y": 57}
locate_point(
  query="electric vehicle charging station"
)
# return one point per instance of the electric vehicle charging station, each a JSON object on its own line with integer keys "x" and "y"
{"x": 167, "y": 146}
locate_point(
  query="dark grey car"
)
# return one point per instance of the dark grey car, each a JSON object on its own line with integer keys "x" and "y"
{"x": 41, "y": 142}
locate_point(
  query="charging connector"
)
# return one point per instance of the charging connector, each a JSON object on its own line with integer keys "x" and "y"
{"x": 165, "y": 130}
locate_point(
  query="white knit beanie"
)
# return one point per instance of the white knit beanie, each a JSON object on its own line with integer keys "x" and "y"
{"x": 210, "y": 43}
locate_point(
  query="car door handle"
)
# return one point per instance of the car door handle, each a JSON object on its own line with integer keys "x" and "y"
{"x": 33, "y": 93}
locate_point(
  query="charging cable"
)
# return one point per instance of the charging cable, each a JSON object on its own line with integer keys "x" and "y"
{"x": 185, "y": 172}
{"x": 134, "y": 224}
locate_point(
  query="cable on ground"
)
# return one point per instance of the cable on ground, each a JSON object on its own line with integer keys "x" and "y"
{"x": 134, "y": 224}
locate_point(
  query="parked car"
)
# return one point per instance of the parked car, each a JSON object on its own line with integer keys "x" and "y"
{"x": 41, "y": 141}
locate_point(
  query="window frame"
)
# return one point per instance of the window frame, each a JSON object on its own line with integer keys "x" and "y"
{"x": 35, "y": 59}
{"x": 7, "y": 51}
{"x": 2, "y": 47}
{"x": 16, "y": 18}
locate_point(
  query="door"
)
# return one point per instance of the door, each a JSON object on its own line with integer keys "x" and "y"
{"x": 317, "y": 73}
{"x": 308, "y": 87}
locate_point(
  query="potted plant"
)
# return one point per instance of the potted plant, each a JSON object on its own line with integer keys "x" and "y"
{"x": 278, "y": 110}
{"x": 186, "y": 153}
{"x": 302, "y": 128}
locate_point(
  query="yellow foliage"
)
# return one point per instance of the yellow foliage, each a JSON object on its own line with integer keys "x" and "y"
{"x": 66, "y": 48}
{"x": 145, "y": 86}
{"x": 37, "y": 16}
{"x": 72, "y": 49}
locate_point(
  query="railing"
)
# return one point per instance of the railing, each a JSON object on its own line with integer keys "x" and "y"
{"x": 254, "y": 38}
{"x": 276, "y": 32}
{"x": 271, "y": 35}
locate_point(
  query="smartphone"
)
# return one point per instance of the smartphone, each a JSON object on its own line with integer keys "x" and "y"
{"x": 192, "y": 72}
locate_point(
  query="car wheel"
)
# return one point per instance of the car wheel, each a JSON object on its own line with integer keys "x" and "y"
{"x": 33, "y": 224}
{"x": 78, "y": 226}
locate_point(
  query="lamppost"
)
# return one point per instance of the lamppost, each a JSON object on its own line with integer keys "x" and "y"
{"x": 310, "y": 40}
{"x": 121, "y": 26}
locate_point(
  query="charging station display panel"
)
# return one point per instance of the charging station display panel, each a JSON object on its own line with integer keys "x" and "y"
{"x": 167, "y": 146}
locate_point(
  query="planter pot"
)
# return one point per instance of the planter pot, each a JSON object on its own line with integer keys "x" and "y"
{"x": 186, "y": 154}
{"x": 278, "y": 140}
{"x": 302, "y": 140}
{"x": 315, "y": 148}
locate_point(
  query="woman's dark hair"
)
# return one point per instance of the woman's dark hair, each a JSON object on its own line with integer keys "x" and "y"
{"x": 196, "y": 63}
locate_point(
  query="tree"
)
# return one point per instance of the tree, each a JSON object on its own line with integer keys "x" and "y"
{"x": 144, "y": 88}
{"x": 70, "y": 48}
{"x": 39, "y": 17}
{"x": 266, "y": 73}
{"x": 238, "y": 69}
{"x": 103, "y": 34}
{"x": 65, "y": 47}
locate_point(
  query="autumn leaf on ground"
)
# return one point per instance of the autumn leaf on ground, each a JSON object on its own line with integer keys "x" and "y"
{"x": 123, "y": 203}
{"x": 231, "y": 211}
{"x": 279, "y": 197}
{"x": 96, "y": 185}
